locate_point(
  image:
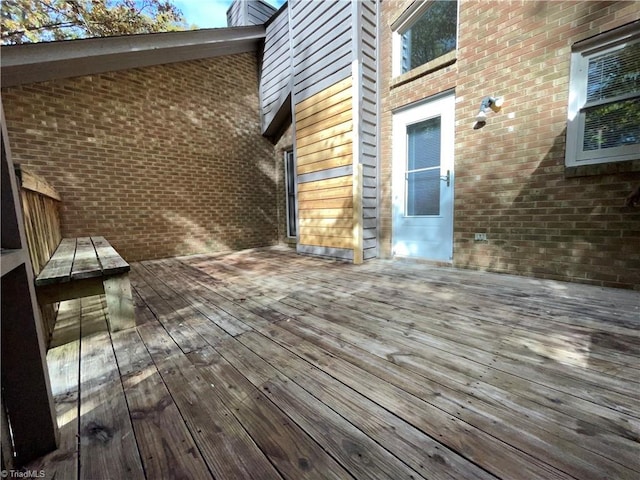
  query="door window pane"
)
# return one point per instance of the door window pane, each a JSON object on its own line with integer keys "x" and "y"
{"x": 423, "y": 168}
{"x": 424, "y": 144}
{"x": 431, "y": 36}
{"x": 423, "y": 193}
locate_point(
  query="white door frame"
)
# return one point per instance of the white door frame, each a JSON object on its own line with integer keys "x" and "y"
{"x": 442, "y": 106}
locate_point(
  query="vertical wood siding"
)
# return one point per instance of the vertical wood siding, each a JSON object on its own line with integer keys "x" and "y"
{"x": 324, "y": 145}
{"x": 275, "y": 80}
{"x": 321, "y": 36}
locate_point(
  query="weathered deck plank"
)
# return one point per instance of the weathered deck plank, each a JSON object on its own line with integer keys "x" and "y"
{"x": 490, "y": 406}
{"x": 343, "y": 440}
{"x": 105, "y": 427}
{"x": 166, "y": 447}
{"x": 225, "y": 445}
{"x": 63, "y": 361}
{"x": 86, "y": 263}
{"x": 266, "y": 364}
{"x": 59, "y": 268}
{"x": 286, "y": 445}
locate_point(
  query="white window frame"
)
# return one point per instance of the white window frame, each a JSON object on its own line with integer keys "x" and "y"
{"x": 581, "y": 54}
{"x": 403, "y": 23}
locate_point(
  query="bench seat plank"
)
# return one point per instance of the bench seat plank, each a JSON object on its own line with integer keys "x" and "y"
{"x": 58, "y": 269}
{"x": 89, "y": 266}
{"x": 86, "y": 263}
{"x": 112, "y": 263}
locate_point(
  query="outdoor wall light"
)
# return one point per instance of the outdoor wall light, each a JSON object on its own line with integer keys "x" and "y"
{"x": 493, "y": 103}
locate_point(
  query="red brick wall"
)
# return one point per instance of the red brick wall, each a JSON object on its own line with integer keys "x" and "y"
{"x": 511, "y": 179}
{"x": 164, "y": 160}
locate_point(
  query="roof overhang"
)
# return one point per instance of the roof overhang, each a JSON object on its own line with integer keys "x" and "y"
{"x": 39, "y": 62}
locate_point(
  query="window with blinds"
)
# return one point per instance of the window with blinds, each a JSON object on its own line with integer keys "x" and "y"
{"x": 423, "y": 168}
{"x": 612, "y": 109}
{"x": 604, "y": 105}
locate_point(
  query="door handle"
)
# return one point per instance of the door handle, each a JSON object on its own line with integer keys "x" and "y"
{"x": 447, "y": 178}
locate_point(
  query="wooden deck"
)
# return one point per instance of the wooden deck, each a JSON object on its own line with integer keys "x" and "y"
{"x": 268, "y": 365}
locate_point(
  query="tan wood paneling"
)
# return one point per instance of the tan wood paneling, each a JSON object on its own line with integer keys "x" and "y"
{"x": 325, "y": 241}
{"x": 327, "y": 144}
{"x": 335, "y": 182}
{"x": 334, "y": 110}
{"x": 338, "y": 192}
{"x": 324, "y": 130}
{"x": 326, "y": 213}
{"x": 329, "y": 120}
{"x": 325, "y": 164}
{"x": 344, "y": 152}
{"x": 326, "y": 203}
{"x": 326, "y": 222}
{"x": 328, "y": 106}
{"x": 324, "y": 140}
{"x": 323, "y": 231}
{"x": 336, "y": 88}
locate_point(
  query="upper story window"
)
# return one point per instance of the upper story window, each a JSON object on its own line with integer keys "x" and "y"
{"x": 604, "y": 99}
{"x": 426, "y": 31}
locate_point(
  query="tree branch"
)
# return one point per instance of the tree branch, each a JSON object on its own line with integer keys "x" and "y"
{"x": 49, "y": 26}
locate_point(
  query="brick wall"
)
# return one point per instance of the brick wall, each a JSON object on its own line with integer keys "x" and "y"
{"x": 162, "y": 160}
{"x": 511, "y": 180}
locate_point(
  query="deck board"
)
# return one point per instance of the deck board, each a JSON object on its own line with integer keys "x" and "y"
{"x": 267, "y": 364}
{"x": 225, "y": 445}
{"x": 286, "y": 445}
{"x": 105, "y": 430}
{"x": 166, "y": 446}
{"x": 63, "y": 361}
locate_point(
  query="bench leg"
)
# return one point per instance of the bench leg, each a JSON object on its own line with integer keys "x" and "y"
{"x": 117, "y": 290}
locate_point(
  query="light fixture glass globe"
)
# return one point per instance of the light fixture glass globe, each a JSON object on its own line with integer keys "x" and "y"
{"x": 497, "y": 103}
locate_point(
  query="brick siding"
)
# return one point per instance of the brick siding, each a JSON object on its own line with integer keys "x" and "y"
{"x": 165, "y": 160}
{"x": 511, "y": 180}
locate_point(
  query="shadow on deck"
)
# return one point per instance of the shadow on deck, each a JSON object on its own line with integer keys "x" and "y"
{"x": 265, "y": 364}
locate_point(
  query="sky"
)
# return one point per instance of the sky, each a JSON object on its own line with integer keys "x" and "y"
{"x": 210, "y": 13}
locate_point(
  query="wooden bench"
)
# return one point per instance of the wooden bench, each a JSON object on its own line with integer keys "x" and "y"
{"x": 86, "y": 266}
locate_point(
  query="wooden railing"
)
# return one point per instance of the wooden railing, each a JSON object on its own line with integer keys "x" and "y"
{"x": 41, "y": 211}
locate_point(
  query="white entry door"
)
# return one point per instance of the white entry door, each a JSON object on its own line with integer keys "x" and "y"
{"x": 423, "y": 143}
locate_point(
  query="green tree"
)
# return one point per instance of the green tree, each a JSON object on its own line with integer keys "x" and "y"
{"x": 46, "y": 20}
{"x": 433, "y": 35}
